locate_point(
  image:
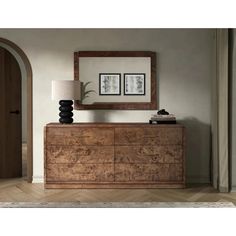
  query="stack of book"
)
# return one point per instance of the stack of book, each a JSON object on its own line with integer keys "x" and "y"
{"x": 163, "y": 119}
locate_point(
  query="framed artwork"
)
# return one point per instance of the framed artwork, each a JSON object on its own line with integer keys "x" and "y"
{"x": 109, "y": 84}
{"x": 134, "y": 84}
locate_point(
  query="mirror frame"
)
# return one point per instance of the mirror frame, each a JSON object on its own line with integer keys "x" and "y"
{"x": 121, "y": 105}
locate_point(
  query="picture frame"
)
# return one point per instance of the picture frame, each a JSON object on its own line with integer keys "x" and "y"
{"x": 134, "y": 84}
{"x": 110, "y": 84}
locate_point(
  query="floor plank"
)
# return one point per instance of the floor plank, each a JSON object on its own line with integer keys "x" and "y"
{"x": 17, "y": 190}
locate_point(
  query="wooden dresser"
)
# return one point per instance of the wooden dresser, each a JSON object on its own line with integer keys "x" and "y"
{"x": 114, "y": 155}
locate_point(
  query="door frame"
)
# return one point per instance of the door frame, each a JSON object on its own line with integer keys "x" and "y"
{"x": 220, "y": 114}
{"x": 29, "y": 77}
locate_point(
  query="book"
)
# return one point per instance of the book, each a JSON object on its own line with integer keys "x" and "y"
{"x": 163, "y": 118}
{"x": 155, "y": 115}
{"x": 162, "y": 121}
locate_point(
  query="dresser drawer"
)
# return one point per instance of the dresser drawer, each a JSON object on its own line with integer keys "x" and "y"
{"x": 80, "y": 154}
{"x": 79, "y": 172}
{"x": 80, "y": 136}
{"x": 149, "y": 136}
{"x": 148, "y": 173}
{"x": 114, "y": 155}
{"x": 149, "y": 154}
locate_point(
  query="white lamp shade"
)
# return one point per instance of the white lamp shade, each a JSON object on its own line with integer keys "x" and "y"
{"x": 66, "y": 90}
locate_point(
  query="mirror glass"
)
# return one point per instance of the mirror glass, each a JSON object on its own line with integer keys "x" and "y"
{"x": 116, "y": 80}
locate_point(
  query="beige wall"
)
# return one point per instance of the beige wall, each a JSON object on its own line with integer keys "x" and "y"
{"x": 185, "y": 69}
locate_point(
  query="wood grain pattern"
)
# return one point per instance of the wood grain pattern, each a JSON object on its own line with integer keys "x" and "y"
{"x": 80, "y": 172}
{"x": 148, "y": 172}
{"x": 114, "y": 155}
{"x": 114, "y": 53}
{"x": 18, "y": 190}
{"x": 148, "y": 154}
{"x": 80, "y": 154}
{"x": 151, "y": 135}
{"x": 113, "y": 125}
{"x": 112, "y": 185}
{"x": 80, "y": 136}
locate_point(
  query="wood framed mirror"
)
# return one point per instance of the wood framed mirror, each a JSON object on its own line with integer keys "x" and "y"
{"x": 119, "y": 80}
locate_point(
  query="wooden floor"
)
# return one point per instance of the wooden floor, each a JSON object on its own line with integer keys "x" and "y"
{"x": 18, "y": 190}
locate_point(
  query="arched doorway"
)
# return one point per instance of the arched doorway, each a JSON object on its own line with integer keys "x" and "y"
{"x": 23, "y": 61}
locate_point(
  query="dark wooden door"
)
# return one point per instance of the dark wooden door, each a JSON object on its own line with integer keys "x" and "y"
{"x": 10, "y": 116}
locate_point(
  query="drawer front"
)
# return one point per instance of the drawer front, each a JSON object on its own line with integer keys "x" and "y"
{"x": 80, "y": 154}
{"x": 80, "y": 173}
{"x": 148, "y": 173}
{"x": 149, "y": 136}
{"x": 148, "y": 154}
{"x": 80, "y": 136}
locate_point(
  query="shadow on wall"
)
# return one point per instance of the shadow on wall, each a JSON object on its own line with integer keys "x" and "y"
{"x": 101, "y": 115}
{"x": 198, "y": 150}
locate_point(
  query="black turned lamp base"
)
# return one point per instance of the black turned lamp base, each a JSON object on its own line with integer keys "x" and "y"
{"x": 66, "y": 113}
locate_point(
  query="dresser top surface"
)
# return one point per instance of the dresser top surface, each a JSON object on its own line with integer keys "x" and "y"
{"x": 112, "y": 124}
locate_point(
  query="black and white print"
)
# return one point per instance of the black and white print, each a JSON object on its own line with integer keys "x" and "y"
{"x": 134, "y": 84}
{"x": 109, "y": 84}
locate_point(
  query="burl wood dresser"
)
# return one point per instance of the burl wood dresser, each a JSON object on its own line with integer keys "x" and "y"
{"x": 114, "y": 155}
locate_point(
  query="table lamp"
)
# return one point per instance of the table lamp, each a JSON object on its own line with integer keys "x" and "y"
{"x": 65, "y": 91}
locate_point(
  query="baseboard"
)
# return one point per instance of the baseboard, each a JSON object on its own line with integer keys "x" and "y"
{"x": 189, "y": 180}
{"x": 223, "y": 190}
{"x": 197, "y": 179}
{"x": 233, "y": 189}
{"x": 38, "y": 179}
